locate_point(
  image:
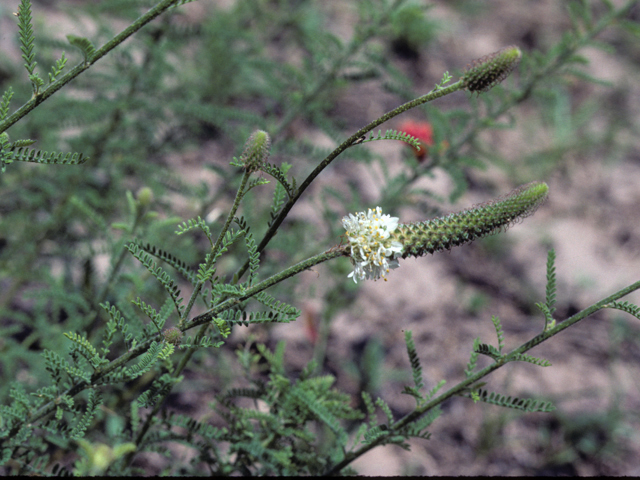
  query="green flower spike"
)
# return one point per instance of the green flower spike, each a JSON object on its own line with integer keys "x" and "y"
{"x": 377, "y": 241}
{"x": 256, "y": 150}
{"x": 480, "y": 221}
{"x": 485, "y": 73}
{"x": 172, "y": 335}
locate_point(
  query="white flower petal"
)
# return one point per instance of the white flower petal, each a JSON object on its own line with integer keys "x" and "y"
{"x": 373, "y": 251}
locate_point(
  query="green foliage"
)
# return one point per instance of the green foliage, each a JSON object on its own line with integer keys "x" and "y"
{"x": 27, "y": 43}
{"x": 524, "y": 404}
{"x": 85, "y": 46}
{"x": 473, "y": 360}
{"x": 627, "y": 307}
{"x": 23, "y": 154}
{"x": 97, "y": 340}
{"x": 163, "y": 277}
{"x": 192, "y": 224}
{"x": 548, "y": 308}
{"x": 499, "y": 332}
{"x": 523, "y": 357}
{"x": 4, "y": 105}
{"x": 416, "y": 369}
{"x": 392, "y": 135}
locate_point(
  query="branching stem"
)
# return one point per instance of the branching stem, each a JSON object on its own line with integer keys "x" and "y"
{"x": 80, "y": 68}
{"x": 469, "y": 382}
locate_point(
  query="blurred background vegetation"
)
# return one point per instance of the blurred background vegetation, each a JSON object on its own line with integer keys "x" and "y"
{"x": 170, "y": 108}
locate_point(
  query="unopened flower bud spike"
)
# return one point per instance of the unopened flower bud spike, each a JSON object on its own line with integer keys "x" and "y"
{"x": 485, "y": 73}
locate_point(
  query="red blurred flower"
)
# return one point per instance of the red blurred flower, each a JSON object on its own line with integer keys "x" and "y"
{"x": 423, "y": 132}
{"x": 310, "y": 323}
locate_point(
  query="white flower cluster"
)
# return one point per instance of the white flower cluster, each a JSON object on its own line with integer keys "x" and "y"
{"x": 373, "y": 250}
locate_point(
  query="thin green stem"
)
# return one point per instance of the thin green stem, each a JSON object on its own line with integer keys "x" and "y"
{"x": 331, "y": 73}
{"x": 269, "y": 282}
{"x": 194, "y": 295}
{"x": 559, "y": 61}
{"x": 203, "y": 320}
{"x": 216, "y": 247}
{"x": 469, "y": 382}
{"x": 349, "y": 142}
{"x": 78, "y": 69}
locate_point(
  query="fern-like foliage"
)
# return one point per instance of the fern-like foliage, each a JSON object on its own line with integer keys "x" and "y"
{"x": 85, "y": 46}
{"x": 374, "y": 433}
{"x": 84, "y": 348}
{"x": 280, "y": 193}
{"x": 57, "y": 68}
{"x": 117, "y": 323}
{"x": 255, "y": 183}
{"x": 204, "y": 342}
{"x": 287, "y": 312}
{"x": 627, "y": 307}
{"x": 193, "y": 224}
{"x": 241, "y": 317}
{"x": 175, "y": 262}
{"x": 163, "y": 277}
{"x": 390, "y": 135}
{"x": 524, "y": 357}
{"x": 24, "y": 154}
{"x": 206, "y": 271}
{"x": 435, "y": 390}
{"x": 524, "y": 404}
{"x": 159, "y": 389}
{"x": 418, "y": 429}
{"x": 473, "y": 359}
{"x": 157, "y": 319}
{"x": 254, "y": 257}
{"x": 228, "y": 290}
{"x": 301, "y": 397}
{"x": 280, "y": 438}
{"x": 56, "y": 366}
{"x": 5, "y": 102}
{"x": 548, "y": 308}
{"x": 22, "y": 143}
{"x": 386, "y": 409}
{"x": 91, "y": 213}
{"x": 83, "y": 422}
{"x": 155, "y": 352}
{"x": 416, "y": 369}
{"x": 6, "y": 155}
{"x": 27, "y": 43}
{"x": 488, "y": 350}
{"x": 499, "y": 332}
{"x": 280, "y": 312}
{"x": 280, "y": 174}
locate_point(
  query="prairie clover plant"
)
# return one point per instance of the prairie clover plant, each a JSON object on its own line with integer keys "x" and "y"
{"x": 376, "y": 241}
{"x": 99, "y": 371}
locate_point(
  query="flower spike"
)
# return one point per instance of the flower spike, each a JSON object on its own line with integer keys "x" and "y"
{"x": 256, "y": 150}
{"x": 466, "y": 226}
{"x": 377, "y": 241}
{"x": 485, "y": 73}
